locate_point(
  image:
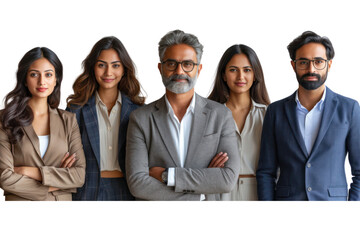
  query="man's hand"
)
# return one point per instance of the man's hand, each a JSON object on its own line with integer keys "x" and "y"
{"x": 219, "y": 160}
{"x": 156, "y": 172}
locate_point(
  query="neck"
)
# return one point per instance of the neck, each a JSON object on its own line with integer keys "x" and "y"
{"x": 309, "y": 98}
{"x": 239, "y": 101}
{"x": 108, "y": 96}
{"x": 39, "y": 106}
{"x": 180, "y": 102}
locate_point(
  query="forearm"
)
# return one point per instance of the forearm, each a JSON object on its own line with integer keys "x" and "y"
{"x": 63, "y": 178}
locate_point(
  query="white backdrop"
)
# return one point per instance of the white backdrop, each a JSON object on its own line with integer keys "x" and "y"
{"x": 71, "y": 28}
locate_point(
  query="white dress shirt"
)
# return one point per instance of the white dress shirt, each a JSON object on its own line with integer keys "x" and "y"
{"x": 109, "y": 133}
{"x": 44, "y": 143}
{"x": 309, "y": 122}
{"x": 180, "y": 134}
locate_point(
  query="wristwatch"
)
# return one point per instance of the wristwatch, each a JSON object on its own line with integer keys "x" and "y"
{"x": 164, "y": 176}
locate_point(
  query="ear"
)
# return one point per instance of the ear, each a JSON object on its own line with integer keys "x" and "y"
{"x": 293, "y": 65}
{"x": 329, "y": 65}
{"x": 159, "y": 67}
{"x": 199, "y": 69}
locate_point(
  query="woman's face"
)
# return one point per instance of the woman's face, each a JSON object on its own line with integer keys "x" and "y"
{"x": 108, "y": 69}
{"x": 41, "y": 78}
{"x": 239, "y": 75}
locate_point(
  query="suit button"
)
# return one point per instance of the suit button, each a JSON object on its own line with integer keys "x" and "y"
{"x": 309, "y": 165}
{"x": 309, "y": 189}
{"x": 184, "y": 191}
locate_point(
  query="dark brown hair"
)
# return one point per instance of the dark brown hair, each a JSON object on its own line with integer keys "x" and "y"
{"x": 221, "y": 91}
{"x": 17, "y": 113}
{"x": 86, "y": 85}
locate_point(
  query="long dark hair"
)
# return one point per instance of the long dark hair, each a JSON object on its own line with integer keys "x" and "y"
{"x": 17, "y": 113}
{"x": 221, "y": 91}
{"x": 86, "y": 85}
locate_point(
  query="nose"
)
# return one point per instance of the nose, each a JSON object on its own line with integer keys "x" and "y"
{"x": 311, "y": 67}
{"x": 41, "y": 79}
{"x": 108, "y": 71}
{"x": 179, "y": 70}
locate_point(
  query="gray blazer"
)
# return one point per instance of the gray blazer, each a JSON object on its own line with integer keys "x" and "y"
{"x": 149, "y": 144}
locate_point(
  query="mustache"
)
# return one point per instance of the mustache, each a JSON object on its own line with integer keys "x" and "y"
{"x": 180, "y": 76}
{"x": 310, "y": 75}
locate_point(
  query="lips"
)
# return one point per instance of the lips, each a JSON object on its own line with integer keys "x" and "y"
{"x": 108, "y": 80}
{"x": 311, "y": 78}
{"x": 240, "y": 84}
{"x": 41, "y": 89}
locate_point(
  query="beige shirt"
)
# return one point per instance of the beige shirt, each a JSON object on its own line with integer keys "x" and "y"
{"x": 109, "y": 134}
{"x": 249, "y": 139}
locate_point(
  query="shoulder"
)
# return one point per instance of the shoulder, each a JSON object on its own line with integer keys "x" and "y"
{"x": 146, "y": 110}
{"x": 210, "y": 104}
{"x": 344, "y": 101}
{"x": 68, "y": 118}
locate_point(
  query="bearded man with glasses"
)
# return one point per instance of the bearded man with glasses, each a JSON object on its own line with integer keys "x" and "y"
{"x": 307, "y": 136}
{"x": 182, "y": 146}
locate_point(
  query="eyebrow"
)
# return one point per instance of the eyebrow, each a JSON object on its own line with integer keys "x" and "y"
{"x": 316, "y": 58}
{"x": 107, "y": 63}
{"x": 34, "y": 70}
{"x": 238, "y": 67}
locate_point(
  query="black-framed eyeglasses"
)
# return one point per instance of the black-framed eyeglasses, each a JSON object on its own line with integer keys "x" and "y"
{"x": 172, "y": 65}
{"x": 303, "y": 64}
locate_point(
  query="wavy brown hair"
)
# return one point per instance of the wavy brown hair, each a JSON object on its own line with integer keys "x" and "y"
{"x": 221, "y": 91}
{"x": 17, "y": 113}
{"x": 86, "y": 85}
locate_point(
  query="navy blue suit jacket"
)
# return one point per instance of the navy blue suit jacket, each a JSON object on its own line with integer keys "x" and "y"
{"x": 89, "y": 128}
{"x": 320, "y": 175}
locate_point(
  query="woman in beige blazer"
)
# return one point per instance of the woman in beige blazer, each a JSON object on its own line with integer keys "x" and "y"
{"x": 240, "y": 85}
{"x": 41, "y": 155}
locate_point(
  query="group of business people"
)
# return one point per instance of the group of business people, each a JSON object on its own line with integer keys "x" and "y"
{"x": 233, "y": 145}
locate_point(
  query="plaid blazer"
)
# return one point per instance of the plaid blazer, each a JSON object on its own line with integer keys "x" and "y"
{"x": 89, "y": 128}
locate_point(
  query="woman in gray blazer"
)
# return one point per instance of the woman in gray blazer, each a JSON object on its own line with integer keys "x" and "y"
{"x": 41, "y": 155}
{"x": 240, "y": 85}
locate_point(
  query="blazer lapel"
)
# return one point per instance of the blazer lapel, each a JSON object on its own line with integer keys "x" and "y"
{"x": 330, "y": 106}
{"x": 92, "y": 126}
{"x": 198, "y": 128}
{"x": 126, "y": 107}
{"x": 290, "y": 111}
{"x": 56, "y": 131}
{"x": 30, "y": 133}
{"x": 161, "y": 119}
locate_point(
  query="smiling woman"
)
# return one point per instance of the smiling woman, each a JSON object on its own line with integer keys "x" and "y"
{"x": 41, "y": 156}
{"x": 104, "y": 96}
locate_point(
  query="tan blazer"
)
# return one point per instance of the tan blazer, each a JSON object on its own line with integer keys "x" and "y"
{"x": 64, "y": 137}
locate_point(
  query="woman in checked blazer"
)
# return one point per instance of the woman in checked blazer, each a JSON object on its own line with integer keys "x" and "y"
{"x": 41, "y": 155}
{"x": 104, "y": 96}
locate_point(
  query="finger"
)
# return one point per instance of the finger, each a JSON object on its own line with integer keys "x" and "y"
{"x": 220, "y": 160}
{"x": 217, "y": 156}
{"x": 65, "y": 156}
{"x": 69, "y": 165}
{"x": 67, "y": 160}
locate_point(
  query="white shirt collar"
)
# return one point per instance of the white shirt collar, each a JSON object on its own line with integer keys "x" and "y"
{"x": 190, "y": 108}
{"x": 98, "y": 99}
{"x": 318, "y": 105}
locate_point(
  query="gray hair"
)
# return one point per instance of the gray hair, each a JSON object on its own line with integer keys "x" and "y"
{"x": 179, "y": 37}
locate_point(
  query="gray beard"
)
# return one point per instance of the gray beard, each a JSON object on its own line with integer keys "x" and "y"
{"x": 179, "y": 87}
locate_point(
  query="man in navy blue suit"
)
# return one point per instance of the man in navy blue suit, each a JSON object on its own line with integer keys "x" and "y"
{"x": 308, "y": 135}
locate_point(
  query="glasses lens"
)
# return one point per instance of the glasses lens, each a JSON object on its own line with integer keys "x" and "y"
{"x": 319, "y": 64}
{"x": 187, "y": 66}
{"x": 170, "y": 65}
{"x": 302, "y": 64}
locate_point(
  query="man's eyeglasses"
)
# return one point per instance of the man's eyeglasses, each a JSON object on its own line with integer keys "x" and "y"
{"x": 172, "y": 65}
{"x": 303, "y": 64}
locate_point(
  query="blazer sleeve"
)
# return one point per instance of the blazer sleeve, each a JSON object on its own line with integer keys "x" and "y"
{"x": 214, "y": 180}
{"x": 141, "y": 185}
{"x": 353, "y": 148}
{"x": 268, "y": 161}
{"x": 14, "y": 183}
{"x": 73, "y": 177}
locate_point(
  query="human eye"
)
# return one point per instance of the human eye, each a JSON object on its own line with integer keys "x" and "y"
{"x": 232, "y": 70}
{"x": 49, "y": 74}
{"x": 170, "y": 63}
{"x": 188, "y": 63}
{"x": 116, "y": 65}
{"x": 303, "y": 62}
{"x": 247, "y": 70}
{"x": 33, "y": 74}
{"x": 319, "y": 61}
{"x": 100, "y": 65}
